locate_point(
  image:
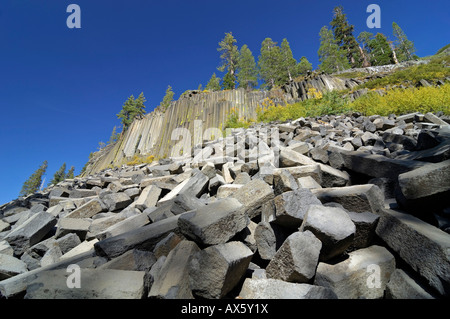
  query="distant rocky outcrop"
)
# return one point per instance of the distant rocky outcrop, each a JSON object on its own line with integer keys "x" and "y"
{"x": 332, "y": 207}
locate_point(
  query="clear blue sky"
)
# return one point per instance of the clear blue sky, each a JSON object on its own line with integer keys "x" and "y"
{"x": 61, "y": 88}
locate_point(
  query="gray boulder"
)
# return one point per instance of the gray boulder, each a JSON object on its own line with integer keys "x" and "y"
{"x": 363, "y": 275}
{"x": 297, "y": 258}
{"x": 332, "y": 226}
{"x": 216, "y": 270}
{"x": 278, "y": 289}
{"x": 215, "y": 223}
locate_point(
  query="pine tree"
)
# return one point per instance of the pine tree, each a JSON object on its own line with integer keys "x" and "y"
{"x": 33, "y": 183}
{"x": 132, "y": 109}
{"x": 269, "y": 63}
{"x": 404, "y": 48}
{"x": 247, "y": 73}
{"x": 381, "y": 53}
{"x": 343, "y": 33}
{"x": 70, "y": 174}
{"x": 139, "y": 107}
{"x": 168, "y": 98}
{"x": 304, "y": 66}
{"x": 59, "y": 175}
{"x": 288, "y": 63}
{"x": 229, "y": 56}
{"x": 126, "y": 114}
{"x": 213, "y": 84}
{"x": 332, "y": 58}
{"x": 228, "y": 82}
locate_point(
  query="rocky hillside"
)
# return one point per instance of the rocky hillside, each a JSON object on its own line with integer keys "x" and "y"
{"x": 330, "y": 207}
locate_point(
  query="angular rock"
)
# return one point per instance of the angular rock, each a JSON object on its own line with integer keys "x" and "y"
{"x": 115, "y": 201}
{"x": 308, "y": 182}
{"x": 289, "y": 158}
{"x": 357, "y": 198}
{"x": 95, "y": 284}
{"x": 215, "y": 223}
{"x": 129, "y": 224}
{"x": 30, "y": 232}
{"x": 134, "y": 259}
{"x": 216, "y": 270}
{"x": 253, "y": 195}
{"x": 78, "y": 226}
{"x": 425, "y": 181}
{"x": 283, "y": 181}
{"x": 227, "y": 190}
{"x": 148, "y": 198}
{"x": 365, "y": 224}
{"x": 196, "y": 185}
{"x": 363, "y": 275}
{"x": 172, "y": 280}
{"x": 278, "y": 289}
{"x": 371, "y": 164}
{"x": 297, "y": 258}
{"x": 421, "y": 245}
{"x": 91, "y": 208}
{"x": 268, "y": 239}
{"x": 290, "y": 207}
{"x": 402, "y": 286}
{"x": 144, "y": 238}
{"x": 166, "y": 244}
{"x": 332, "y": 226}
{"x": 11, "y": 266}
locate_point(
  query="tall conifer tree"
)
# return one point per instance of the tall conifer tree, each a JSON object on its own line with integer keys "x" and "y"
{"x": 247, "y": 73}
{"x": 33, "y": 183}
{"x": 332, "y": 58}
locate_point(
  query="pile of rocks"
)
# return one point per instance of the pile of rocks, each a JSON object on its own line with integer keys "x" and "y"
{"x": 331, "y": 207}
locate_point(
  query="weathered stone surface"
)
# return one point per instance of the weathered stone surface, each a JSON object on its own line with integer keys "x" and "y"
{"x": 11, "y": 266}
{"x": 166, "y": 244}
{"x": 115, "y": 201}
{"x": 290, "y": 207}
{"x": 253, "y": 195}
{"x": 144, "y": 238}
{"x": 134, "y": 259}
{"x": 268, "y": 239}
{"x": 214, "y": 224}
{"x": 283, "y": 181}
{"x": 278, "y": 289}
{"x": 30, "y": 232}
{"x": 425, "y": 181}
{"x": 172, "y": 281}
{"x": 371, "y": 164}
{"x": 216, "y": 270}
{"x": 227, "y": 190}
{"x": 332, "y": 226}
{"x": 91, "y": 208}
{"x": 129, "y": 224}
{"x": 289, "y": 158}
{"x": 365, "y": 224}
{"x": 354, "y": 278}
{"x": 78, "y": 226}
{"x": 423, "y": 246}
{"x": 402, "y": 286}
{"x": 95, "y": 284}
{"x": 148, "y": 198}
{"x": 357, "y": 198}
{"x": 297, "y": 258}
{"x": 196, "y": 185}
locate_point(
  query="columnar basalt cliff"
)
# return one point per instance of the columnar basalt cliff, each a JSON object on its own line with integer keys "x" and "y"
{"x": 152, "y": 134}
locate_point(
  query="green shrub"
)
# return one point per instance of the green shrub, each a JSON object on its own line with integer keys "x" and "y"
{"x": 402, "y": 101}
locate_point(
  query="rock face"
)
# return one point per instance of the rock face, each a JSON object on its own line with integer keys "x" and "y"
{"x": 310, "y": 208}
